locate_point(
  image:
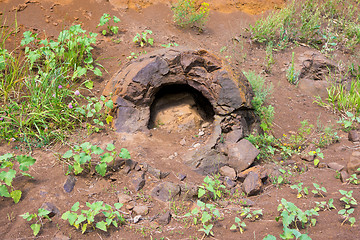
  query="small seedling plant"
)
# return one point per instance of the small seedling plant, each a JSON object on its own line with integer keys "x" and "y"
{"x": 353, "y": 179}
{"x": 302, "y": 191}
{"x": 81, "y": 157}
{"x": 350, "y": 202}
{"x": 238, "y": 225}
{"x": 169, "y": 45}
{"x": 205, "y": 213}
{"x": 318, "y": 191}
{"x": 252, "y": 216}
{"x": 106, "y": 19}
{"x": 212, "y": 187}
{"x": 318, "y": 155}
{"x": 8, "y": 174}
{"x": 291, "y": 74}
{"x": 42, "y": 213}
{"x": 187, "y": 13}
{"x": 142, "y": 39}
{"x": 86, "y": 219}
{"x": 323, "y": 205}
{"x": 349, "y": 121}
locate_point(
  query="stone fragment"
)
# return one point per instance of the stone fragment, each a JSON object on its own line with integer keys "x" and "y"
{"x": 354, "y": 163}
{"x": 138, "y": 180}
{"x": 51, "y": 208}
{"x": 164, "y": 219}
{"x": 183, "y": 142}
{"x": 241, "y": 154}
{"x": 137, "y": 218}
{"x": 252, "y": 184}
{"x": 201, "y": 133}
{"x": 344, "y": 176}
{"x": 354, "y": 136}
{"x": 188, "y": 191}
{"x": 229, "y": 183}
{"x": 261, "y": 171}
{"x": 181, "y": 177}
{"x": 141, "y": 210}
{"x": 166, "y": 191}
{"x": 60, "y": 236}
{"x": 124, "y": 198}
{"x": 335, "y": 166}
{"x": 70, "y": 183}
{"x": 228, "y": 172}
{"x": 234, "y": 136}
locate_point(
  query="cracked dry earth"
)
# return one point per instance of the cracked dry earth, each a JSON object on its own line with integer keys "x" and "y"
{"x": 177, "y": 129}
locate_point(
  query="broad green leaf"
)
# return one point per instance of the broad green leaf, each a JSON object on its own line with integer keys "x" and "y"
{"x": 101, "y": 225}
{"x": 4, "y": 191}
{"x": 97, "y": 107}
{"x": 101, "y": 169}
{"x": 97, "y": 72}
{"x": 269, "y": 237}
{"x": 124, "y": 154}
{"x": 25, "y": 161}
{"x": 75, "y": 207}
{"x": 89, "y": 84}
{"x": 6, "y": 157}
{"x": 109, "y": 104}
{"x": 77, "y": 168}
{"x": 8, "y": 176}
{"x": 110, "y": 147}
{"x": 103, "y": 32}
{"x": 201, "y": 192}
{"x": 36, "y": 228}
{"x": 233, "y": 227}
{"x": 107, "y": 158}
{"x": 43, "y": 212}
{"x": 16, "y": 195}
{"x": 118, "y": 205}
{"x": 80, "y": 219}
{"x": 116, "y": 19}
{"x": 205, "y": 217}
{"x": 68, "y": 154}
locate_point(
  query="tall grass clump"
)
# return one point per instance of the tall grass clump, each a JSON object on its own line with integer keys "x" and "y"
{"x": 317, "y": 23}
{"x": 47, "y": 104}
{"x": 189, "y": 13}
{"x": 261, "y": 95}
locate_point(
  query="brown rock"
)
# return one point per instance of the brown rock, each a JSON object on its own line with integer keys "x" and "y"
{"x": 60, "y": 236}
{"x": 252, "y": 184}
{"x": 228, "y": 172}
{"x": 141, "y": 210}
{"x": 164, "y": 219}
{"x": 344, "y": 176}
{"x": 354, "y": 136}
{"x": 52, "y": 208}
{"x": 354, "y": 163}
{"x": 124, "y": 198}
{"x": 335, "y": 166}
{"x": 166, "y": 191}
{"x": 242, "y": 154}
{"x": 261, "y": 171}
{"x": 138, "y": 180}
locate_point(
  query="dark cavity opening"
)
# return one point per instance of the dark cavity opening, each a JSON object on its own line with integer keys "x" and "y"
{"x": 179, "y": 107}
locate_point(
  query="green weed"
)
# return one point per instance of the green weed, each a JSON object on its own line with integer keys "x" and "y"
{"x": 291, "y": 74}
{"x": 105, "y": 19}
{"x": 7, "y": 177}
{"x": 188, "y": 13}
{"x": 42, "y": 213}
{"x": 142, "y": 39}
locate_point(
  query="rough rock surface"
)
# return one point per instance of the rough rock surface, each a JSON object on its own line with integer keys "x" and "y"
{"x": 354, "y": 163}
{"x": 242, "y": 154}
{"x": 166, "y": 191}
{"x": 134, "y": 87}
{"x": 228, "y": 172}
{"x": 252, "y": 184}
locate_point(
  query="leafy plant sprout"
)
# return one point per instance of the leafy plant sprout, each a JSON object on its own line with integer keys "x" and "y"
{"x": 105, "y": 19}
{"x": 142, "y": 39}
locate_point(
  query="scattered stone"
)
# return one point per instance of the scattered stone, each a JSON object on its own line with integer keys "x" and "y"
{"x": 252, "y": 184}
{"x": 183, "y": 142}
{"x": 201, "y": 133}
{"x": 60, "y": 236}
{"x": 141, "y": 210}
{"x": 130, "y": 163}
{"x": 52, "y": 208}
{"x": 181, "y": 177}
{"x": 260, "y": 170}
{"x": 305, "y": 154}
{"x": 137, "y": 218}
{"x": 130, "y": 205}
{"x": 205, "y": 125}
{"x": 70, "y": 183}
{"x": 138, "y": 180}
{"x": 228, "y": 172}
{"x": 336, "y": 166}
{"x": 354, "y": 136}
{"x": 354, "y": 163}
{"x": 166, "y": 191}
{"x": 322, "y": 165}
{"x": 196, "y": 145}
{"x": 242, "y": 154}
{"x": 245, "y": 202}
{"x": 124, "y": 198}
{"x": 164, "y": 219}
{"x": 344, "y": 176}
{"x": 229, "y": 183}
{"x": 234, "y": 136}
{"x": 188, "y": 191}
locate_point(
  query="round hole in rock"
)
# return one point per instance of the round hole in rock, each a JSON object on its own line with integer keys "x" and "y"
{"x": 179, "y": 107}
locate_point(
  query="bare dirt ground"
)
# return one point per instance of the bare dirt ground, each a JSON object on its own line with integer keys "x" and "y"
{"x": 160, "y": 147}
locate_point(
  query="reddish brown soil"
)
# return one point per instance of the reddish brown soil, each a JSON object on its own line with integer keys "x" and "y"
{"x": 226, "y": 21}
